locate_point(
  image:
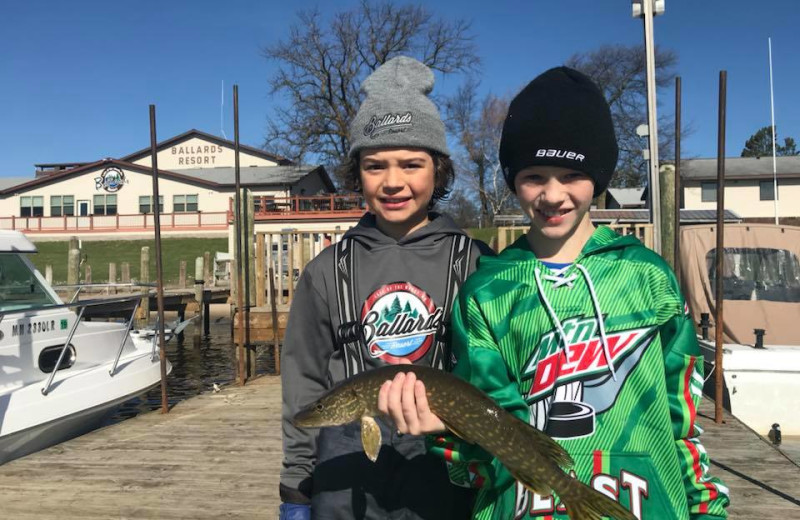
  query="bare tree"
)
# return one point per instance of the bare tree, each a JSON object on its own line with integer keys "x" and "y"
{"x": 620, "y": 71}
{"x": 322, "y": 65}
{"x": 478, "y": 125}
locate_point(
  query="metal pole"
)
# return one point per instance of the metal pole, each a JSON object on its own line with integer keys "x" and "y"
{"x": 237, "y": 219}
{"x": 652, "y": 123}
{"x": 719, "y": 324}
{"x": 772, "y": 112}
{"x": 162, "y": 353}
{"x": 677, "y": 246}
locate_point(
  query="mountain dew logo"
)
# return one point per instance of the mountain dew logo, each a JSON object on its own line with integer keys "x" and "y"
{"x": 552, "y": 365}
{"x": 400, "y": 320}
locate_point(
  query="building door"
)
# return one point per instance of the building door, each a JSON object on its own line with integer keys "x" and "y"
{"x": 83, "y": 208}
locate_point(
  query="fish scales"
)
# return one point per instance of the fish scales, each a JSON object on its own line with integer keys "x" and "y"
{"x": 531, "y": 457}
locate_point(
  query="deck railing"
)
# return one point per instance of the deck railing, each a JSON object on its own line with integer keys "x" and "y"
{"x": 298, "y": 207}
{"x": 196, "y": 220}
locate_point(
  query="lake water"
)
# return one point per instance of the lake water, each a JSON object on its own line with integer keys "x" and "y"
{"x": 195, "y": 370}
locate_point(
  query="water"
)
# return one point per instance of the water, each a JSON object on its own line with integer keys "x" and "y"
{"x": 195, "y": 370}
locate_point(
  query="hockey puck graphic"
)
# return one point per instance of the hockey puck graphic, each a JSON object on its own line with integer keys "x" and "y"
{"x": 568, "y": 419}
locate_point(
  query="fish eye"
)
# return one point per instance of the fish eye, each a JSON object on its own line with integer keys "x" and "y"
{"x": 319, "y": 407}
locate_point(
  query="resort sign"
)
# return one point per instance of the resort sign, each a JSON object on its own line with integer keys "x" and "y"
{"x": 111, "y": 180}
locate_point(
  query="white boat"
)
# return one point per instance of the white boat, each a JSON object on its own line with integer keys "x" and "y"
{"x": 761, "y": 291}
{"x": 101, "y": 365}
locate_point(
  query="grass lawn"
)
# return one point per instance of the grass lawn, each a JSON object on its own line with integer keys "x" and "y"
{"x": 100, "y": 254}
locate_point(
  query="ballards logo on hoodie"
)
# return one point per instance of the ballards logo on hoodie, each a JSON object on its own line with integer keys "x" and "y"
{"x": 393, "y": 123}
{"x": 400, "y": 321}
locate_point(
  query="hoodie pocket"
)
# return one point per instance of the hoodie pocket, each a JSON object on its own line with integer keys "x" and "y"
{"x": 633, "y": 479}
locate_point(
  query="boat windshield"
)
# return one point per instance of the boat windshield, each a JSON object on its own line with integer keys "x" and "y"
{"x": 757, "y": 273}
{"x": 19, "y": 286}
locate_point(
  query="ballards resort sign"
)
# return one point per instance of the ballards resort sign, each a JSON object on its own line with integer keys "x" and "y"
{"x": 196, "y": 155}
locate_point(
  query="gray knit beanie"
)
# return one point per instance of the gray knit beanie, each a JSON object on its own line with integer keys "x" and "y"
{"x": 397, "y": 110}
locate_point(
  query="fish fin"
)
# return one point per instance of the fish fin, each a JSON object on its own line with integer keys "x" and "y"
{"x": 532, "y": 483}
{"x": 370, "y": 437}
{"x": 456, "y": 432}
{"x": 585, "y": 503}
{"x": 546, "y": 446}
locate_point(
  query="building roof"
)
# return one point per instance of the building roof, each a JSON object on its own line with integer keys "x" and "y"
{"x": 688, "y": 216}
{"x": 144, "y": 152}
{"x": 740, "y": 168}
{"x": 259, "y": 176}
{"x": 7, "y": 182}
{"x": 255, "y": 175}
{"x": 627, "y": 196}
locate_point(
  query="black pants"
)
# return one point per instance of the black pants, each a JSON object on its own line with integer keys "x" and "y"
{"x": 404, "y": 483}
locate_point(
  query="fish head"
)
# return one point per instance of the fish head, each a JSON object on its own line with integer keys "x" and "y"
{"x": 332, "y": 409}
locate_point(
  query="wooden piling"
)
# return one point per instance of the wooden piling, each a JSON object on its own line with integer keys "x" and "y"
{"x": 87, "y": 278}
{"x": 48, "y": 274}
{"x": 260, "y": 278}
{"x": 125, "y": 272}
{"x": 182, "y": 275}
{"x": 207, "y": 268}
{"x": 73, "y": 266}
{"x": 720, "y": 251}
{"x": 198, "y": 296}
{"x": 144, "y": 278}
{"x": 667, "y": 193}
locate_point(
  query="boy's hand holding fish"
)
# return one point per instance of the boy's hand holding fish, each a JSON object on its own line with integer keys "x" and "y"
{"x": 404, "y": 400}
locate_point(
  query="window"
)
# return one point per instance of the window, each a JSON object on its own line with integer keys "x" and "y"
{"x": 19, "y": 286}
{"x": 708, "y": 191}
{"x": 31, "y": 206}
{"x": 766, "y": 190}
{"x": 62, "y": 205}
{"x": 105, "y": 204}
{"x": 757, "y": 273}
{"x": 146, "y": 204}
{"x": 184, "y": 203}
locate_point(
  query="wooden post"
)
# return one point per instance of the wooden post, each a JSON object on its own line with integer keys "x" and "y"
{"x": 73, "y": 266}
{"x": 125, "y": 272}
{"x": 198, "y": 296}
{"x": 270, "y": 284}
{"x": 667, "y": 192}
{"x": 144, "y": 278}
{"x": 276, "y": 349}
{"x": 290, "y": 261}
{"x": 182, "y": 275}
{"x": 48, "y": 274}
{"x": 207, "y": 268}
{"x": 112, "y": 272}
{"x": 260, "y": 290}
{"x": 74, "y": 243}
{"x": 88, "y": 277}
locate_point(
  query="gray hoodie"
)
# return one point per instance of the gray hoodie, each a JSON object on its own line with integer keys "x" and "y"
{"x": 400, "y": 289}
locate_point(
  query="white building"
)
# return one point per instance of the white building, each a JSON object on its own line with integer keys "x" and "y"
{"x": 196, "y": 187}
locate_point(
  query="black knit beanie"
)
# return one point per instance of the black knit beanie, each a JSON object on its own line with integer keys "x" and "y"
{"x": 560, "y": 119}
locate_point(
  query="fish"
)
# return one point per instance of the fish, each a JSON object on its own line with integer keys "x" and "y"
{"x": 532, "y": 457}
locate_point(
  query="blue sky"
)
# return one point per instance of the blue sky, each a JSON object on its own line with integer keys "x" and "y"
{"x": 77, "y": 77}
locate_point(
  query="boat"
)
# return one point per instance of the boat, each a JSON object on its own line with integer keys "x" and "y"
{"x": 61, "y": 375}
{"x": 761, "y": 319}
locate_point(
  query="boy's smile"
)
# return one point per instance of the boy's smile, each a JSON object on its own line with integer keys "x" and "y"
{"x": 557, "y": 200}
{"x": 397, "y": 184}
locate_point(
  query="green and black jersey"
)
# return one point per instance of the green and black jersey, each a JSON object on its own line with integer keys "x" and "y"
{"x": 602, "y": 356}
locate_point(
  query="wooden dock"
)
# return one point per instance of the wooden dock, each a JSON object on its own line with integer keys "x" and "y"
{"x": 218, "y": 455}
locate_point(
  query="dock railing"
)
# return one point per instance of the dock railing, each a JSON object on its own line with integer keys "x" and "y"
{"x": 644, "y": 232}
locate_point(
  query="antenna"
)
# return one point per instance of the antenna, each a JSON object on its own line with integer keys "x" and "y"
{"x": 222, "y": 110}
{"x": 772, "y": 112}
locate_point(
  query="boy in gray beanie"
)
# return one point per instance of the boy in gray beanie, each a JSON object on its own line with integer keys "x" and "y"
{"x": 380, "y": 296}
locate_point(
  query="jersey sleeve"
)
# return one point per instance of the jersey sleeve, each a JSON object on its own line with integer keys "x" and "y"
{"x": 707, "y": 496}
{"x": 478, "y": 361}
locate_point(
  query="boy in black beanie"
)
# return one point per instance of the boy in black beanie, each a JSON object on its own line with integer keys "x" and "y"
{"x": 578, "y": 331}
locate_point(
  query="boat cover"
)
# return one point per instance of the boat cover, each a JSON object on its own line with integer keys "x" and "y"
{"x": 761, "y": 280}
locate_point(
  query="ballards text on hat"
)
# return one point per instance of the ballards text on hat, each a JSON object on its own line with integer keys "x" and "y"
{"x": 386, "y": 123}
{"x": 560, "y": 154}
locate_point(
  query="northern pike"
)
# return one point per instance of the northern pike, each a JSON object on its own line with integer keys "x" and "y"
{"x": 533, "y": 458}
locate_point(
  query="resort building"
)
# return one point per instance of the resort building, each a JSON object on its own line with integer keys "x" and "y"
{"x": 196, "y": 192}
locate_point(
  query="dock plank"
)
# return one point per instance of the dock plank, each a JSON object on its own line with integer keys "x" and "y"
{"x": 218, "y": 455}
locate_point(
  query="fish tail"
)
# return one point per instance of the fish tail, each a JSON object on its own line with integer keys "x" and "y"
{"x": 585, "y": 503}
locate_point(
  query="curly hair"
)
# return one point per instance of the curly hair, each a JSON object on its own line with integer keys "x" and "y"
{"x": 443, "y": 175}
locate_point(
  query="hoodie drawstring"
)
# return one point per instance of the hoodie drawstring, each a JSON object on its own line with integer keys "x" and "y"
{"x": 558, "y": 281}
